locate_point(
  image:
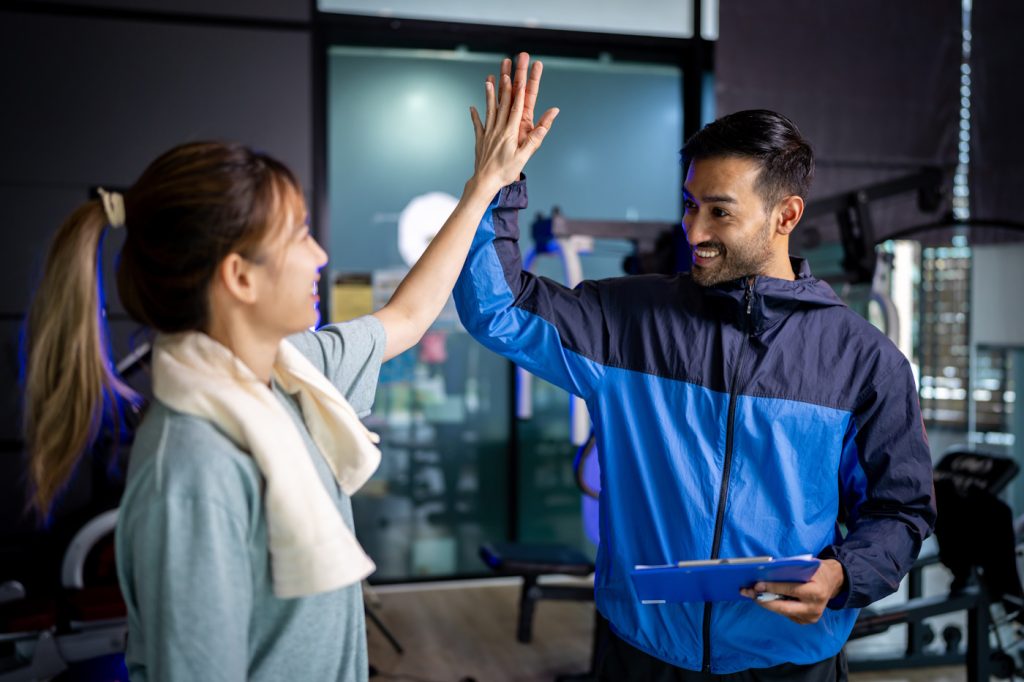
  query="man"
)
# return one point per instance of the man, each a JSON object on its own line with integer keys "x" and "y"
{"x": 741, "y": 409}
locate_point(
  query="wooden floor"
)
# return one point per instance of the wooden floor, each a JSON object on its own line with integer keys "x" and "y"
{"x": 469, "y": 632}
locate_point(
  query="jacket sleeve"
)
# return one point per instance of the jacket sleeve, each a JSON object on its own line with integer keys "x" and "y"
{"x": 886, "y": 485}
{"x": 550, "y": 330}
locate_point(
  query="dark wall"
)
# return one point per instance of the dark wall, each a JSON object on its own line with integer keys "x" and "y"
{"x": 91, "y": 95}
{"x": 297, "y": 10}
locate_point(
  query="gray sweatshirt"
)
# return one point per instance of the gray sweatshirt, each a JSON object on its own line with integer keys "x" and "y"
{"x": 192, "y": 551}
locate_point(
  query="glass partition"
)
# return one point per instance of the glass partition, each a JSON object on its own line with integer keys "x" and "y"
{"x": 400, "y": 148}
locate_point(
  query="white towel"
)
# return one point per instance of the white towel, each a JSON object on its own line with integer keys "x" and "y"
{"x": 312, "y": 550}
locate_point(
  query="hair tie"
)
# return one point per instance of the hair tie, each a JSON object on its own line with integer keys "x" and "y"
{"x": 113, "y": 206}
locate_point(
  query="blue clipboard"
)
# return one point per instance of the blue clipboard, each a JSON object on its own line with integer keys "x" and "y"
{"x": 705, "y": 581}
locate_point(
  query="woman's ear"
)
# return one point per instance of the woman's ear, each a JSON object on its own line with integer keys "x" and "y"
{"x": 238, "y": 278}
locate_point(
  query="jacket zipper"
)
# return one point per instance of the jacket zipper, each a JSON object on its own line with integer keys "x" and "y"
{"x": 726, "y": 467}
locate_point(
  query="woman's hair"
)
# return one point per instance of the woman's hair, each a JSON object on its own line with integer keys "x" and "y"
{"x": 191, "y": 207}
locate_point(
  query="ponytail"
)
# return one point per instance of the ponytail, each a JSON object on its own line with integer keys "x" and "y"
{"x": 68, "y": 374}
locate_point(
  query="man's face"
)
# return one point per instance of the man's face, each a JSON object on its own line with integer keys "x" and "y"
{"x": 725, "y": 220}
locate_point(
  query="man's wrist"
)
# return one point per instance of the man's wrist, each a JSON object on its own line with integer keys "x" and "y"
{"x": 836, "y": 577}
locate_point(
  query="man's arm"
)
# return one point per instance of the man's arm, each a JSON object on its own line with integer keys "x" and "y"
{"x": 886, "y": 479}
{"x": 550, "y": 330}
{"x": 886, "y": 487}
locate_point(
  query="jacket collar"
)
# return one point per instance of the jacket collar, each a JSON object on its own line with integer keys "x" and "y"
{"x": 759, "y": 306}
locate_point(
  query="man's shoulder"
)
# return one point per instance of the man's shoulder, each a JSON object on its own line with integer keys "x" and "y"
{"x": 860, "y": 334}
{"x": 640, "y": 291}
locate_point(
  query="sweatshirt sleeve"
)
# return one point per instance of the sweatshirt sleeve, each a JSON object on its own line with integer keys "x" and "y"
{"x": 350, "y": 355}
{"x": 190, "y": 592}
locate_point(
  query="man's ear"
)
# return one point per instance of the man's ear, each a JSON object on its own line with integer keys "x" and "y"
{"x": 789, "y": 212}
{"x": 238, "y": 277}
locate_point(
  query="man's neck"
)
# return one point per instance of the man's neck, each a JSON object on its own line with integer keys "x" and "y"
{"x": 779, "y": 267}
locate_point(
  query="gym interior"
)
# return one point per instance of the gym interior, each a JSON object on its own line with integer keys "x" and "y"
{"x": 483, "y": 516}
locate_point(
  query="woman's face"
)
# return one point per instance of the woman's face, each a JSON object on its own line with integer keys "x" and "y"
{"x": 290, "y": 262}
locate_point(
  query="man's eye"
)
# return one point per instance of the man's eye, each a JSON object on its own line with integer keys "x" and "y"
{"x": 718, "y": 213}
{"x": 689, "y": 205}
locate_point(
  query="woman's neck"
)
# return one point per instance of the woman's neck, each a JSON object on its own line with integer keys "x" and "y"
{"x": 257, "y": 351}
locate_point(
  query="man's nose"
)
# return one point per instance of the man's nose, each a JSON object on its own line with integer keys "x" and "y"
{"x": 696, "y": 229}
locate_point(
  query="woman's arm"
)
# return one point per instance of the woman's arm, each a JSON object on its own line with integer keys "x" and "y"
{"x": 505, "y": 140}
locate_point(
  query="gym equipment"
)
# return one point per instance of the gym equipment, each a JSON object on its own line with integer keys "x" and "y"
{"x": 87, "y": 620}
{"x": 976, "y": 542}
{"x": 532, "y": 561}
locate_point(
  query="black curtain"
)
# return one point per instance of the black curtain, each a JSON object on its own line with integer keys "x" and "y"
{"x": 873, "y": 84}
{"x": 997, "y": 111}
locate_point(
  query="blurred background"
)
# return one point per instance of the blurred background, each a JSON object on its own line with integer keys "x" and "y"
{"x": 915, "y": 215}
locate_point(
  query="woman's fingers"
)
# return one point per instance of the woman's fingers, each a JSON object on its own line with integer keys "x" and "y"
{"x": 506, "y": 70}
{"x": 491, "y": 113}
{"x": 478, "y": 126}
{"x": 515, "y": 115}
{"x": 504, "y": 103}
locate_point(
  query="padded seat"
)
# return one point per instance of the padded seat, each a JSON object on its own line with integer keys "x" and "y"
{"x": 27, "y": 615}
{"x": 512, "y": 558}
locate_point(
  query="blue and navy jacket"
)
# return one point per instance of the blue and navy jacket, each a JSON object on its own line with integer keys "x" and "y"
{"x": 736, "y": 420}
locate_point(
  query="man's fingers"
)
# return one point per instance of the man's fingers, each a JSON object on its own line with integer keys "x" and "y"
{"x": 548, "y": 118}
{"x": 532, "y": 89}
{"x": 536, "y": 136}
{"x": 795, "y": 610}
{"x": 522, "y": 63}
{"x": 786, "y": 589}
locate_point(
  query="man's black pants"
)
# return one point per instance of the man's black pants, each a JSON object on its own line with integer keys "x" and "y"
{"x": 623, "y": 662}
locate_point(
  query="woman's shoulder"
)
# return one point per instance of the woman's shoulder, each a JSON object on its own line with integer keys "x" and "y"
{"x": 182, "y": 457}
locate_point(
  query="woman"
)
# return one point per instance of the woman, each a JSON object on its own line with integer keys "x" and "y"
{"x": 236, "y": 555}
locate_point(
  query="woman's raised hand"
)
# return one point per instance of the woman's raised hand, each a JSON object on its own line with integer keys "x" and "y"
{"x": 507, "y": 137}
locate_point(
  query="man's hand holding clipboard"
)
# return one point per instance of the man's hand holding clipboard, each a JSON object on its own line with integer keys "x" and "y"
{"x": 798, "y": 588}
{"x": 801, "y": 602}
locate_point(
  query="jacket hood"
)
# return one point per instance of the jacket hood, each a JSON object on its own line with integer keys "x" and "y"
{"x": 770, "y": 300}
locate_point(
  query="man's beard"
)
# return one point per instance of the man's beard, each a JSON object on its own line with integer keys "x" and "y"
{"x": 744, "y": 260}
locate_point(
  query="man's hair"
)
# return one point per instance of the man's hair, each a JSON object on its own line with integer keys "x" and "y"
{"x": 771, "y": 139}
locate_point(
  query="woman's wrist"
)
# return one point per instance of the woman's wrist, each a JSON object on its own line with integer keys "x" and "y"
{"x": 484, "y": 186}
